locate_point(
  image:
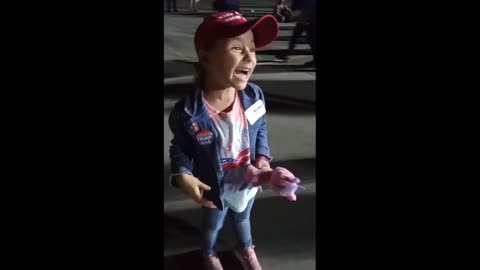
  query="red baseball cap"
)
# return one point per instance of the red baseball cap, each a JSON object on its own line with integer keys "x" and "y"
{"x": 231, "y": 24}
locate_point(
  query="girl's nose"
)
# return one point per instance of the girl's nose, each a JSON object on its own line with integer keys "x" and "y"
{"x": 249, "y": 55}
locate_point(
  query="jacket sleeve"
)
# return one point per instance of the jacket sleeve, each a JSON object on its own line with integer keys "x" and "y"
{"x": 181, "y": 148}
{"x": 261, "y": 147}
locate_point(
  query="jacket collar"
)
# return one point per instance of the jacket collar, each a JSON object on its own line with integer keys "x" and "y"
{"x": 194, "y": 105}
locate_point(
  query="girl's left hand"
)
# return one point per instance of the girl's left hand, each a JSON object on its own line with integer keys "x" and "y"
{"x": 259, "y": 164}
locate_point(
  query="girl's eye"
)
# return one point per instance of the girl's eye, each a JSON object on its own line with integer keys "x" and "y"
{"x": 237, "y": 48}
{"x": 252, "y": 50}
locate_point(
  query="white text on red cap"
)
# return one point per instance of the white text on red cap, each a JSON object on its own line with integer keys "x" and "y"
{"x": 234, "y": 18}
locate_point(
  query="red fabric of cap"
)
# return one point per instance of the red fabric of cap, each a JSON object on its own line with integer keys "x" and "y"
{"x": 231, "y": 24}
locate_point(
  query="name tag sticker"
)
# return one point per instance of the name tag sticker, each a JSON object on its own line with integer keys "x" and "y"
{"x": 255, "y": 111}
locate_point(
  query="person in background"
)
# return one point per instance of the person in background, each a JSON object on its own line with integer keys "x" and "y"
{"x": 282, "y": 12}
{"x": 312, "y": 34}
{"x": 227, "y": 5}
{"x": 169, "y": 3}
{"x": 304, "y": 15}
{"x": 193, "y": 5}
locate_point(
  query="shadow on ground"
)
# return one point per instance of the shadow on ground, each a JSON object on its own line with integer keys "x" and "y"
{"x": 280, "y": 229}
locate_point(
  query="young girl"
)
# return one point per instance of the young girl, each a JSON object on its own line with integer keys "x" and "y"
{"x": 220, "y": 128}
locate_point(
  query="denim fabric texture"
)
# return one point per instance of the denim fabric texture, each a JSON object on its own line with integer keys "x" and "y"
{"x": 213, "y": 220}
{"x": 187, "y": 155}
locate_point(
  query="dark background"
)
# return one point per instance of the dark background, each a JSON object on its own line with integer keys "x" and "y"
{"x": 86, "y": 137}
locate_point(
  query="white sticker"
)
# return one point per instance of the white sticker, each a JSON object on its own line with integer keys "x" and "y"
{"x": 255, "y": 111}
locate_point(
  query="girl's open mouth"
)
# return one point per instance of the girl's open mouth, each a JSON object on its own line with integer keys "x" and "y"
{"x": 242, "y": 73}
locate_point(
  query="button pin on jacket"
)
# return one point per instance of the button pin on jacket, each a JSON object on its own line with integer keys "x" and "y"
{"x": 195, "y": 128}
{"x": 204, "y": 137}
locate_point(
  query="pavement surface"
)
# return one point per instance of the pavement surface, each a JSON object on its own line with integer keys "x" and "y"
{"x": 283, "y": 231}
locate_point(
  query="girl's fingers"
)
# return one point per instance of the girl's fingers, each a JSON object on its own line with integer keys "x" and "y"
{"x": 285, "y": 182}
{"x": 203, "y": 186}
{"x": 197, "y": 195}
{"x": 206, "y": 203}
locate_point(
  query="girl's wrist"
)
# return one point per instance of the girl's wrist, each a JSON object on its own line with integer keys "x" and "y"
{"x": 262, "y": 157}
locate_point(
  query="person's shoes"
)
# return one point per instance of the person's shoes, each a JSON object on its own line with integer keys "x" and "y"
{"x": 248, "y": 258}
{"x": 310, "y": 64}
{"x": 212, "y": 262}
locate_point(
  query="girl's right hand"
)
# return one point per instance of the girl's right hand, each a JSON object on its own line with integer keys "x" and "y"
{"x": 193, "y": 187}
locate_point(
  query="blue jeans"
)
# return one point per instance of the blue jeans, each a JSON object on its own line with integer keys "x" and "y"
{"x": 212, "y": 222}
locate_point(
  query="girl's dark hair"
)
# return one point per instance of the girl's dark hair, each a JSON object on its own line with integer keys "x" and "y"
{"x": 199, "y": 76}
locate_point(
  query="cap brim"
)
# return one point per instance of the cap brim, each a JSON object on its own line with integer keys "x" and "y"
{"x": 265, "y": 30}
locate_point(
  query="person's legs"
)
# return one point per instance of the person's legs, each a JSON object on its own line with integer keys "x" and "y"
{"x": 297, "y": 32}
{"x": 212, "y": 222}
{"x": 245, "y": 250}
{"x": 241, "y": 225}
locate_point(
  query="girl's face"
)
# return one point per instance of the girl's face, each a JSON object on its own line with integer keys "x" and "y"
{"x": 230, "y": 62}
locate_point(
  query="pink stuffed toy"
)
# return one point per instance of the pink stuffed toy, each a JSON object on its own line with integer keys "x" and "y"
{"x": 283, "y": 182}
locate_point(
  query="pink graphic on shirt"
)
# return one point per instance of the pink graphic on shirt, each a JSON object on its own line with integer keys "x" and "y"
{"x": 233, "y": 141}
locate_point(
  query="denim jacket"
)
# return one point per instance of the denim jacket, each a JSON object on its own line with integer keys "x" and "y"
{"x": 203, "y": 160}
